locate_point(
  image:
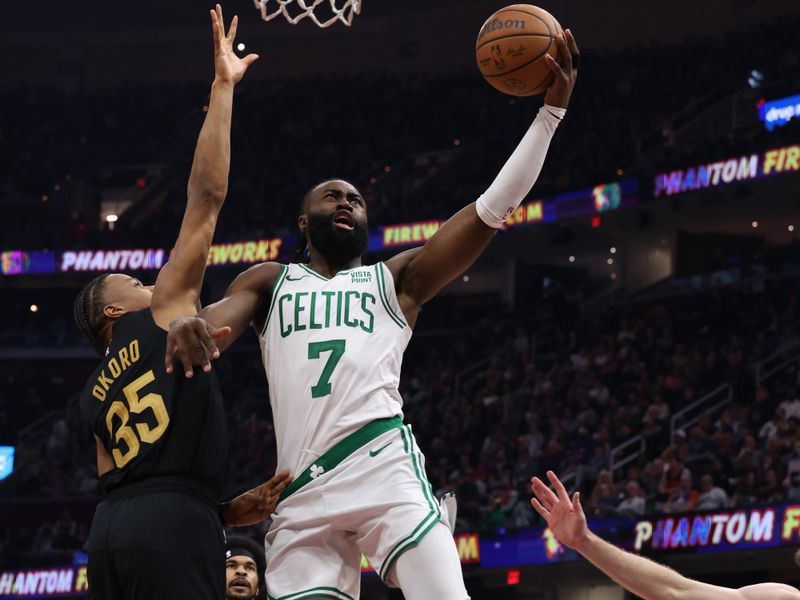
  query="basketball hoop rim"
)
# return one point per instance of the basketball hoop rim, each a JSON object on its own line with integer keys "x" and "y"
{"x": 345, "y": 14}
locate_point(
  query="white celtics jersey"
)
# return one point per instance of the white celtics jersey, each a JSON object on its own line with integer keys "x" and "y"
{"x": 332, "y": 350}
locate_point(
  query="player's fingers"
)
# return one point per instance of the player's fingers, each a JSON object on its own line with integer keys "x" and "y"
{"x": 553, "y": 65}
{"x": 233, "y": 29}
{"x": 278, "y": 480}
{"x": 191, "y": 351}
{"x": 215, "y": 333}
{"x": 281, "y": 485}
{"x": 564, "y": 56}
{"x": 205, "y": 345}
{"x": 168, "y": 356}
{"x": 221, "y": 21}
{"x": 219, "y": 332}
{"x": 543, "y": 492}
{"x": 203, "y": 331}
{"x": 186, "y": 361}
{"x": 576, "y": 502}
{"x": 560, "y": 489}
{"x": 215, "y": 29}
{"x": 571, "y": 43}
{"x": 540, "y": 509}
{"x": 250, "y": 59}
{"x": 201, "y": 345}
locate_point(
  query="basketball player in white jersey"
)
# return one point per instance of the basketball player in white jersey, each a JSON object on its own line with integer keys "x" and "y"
{"x": 638, "y": 575}
{"x": 332, "y": 334}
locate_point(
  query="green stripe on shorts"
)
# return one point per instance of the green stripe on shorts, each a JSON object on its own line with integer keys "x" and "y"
{"x": 317, "y": 592}
{"x": 426, "y": 524}
{"x": 334, "y": 456}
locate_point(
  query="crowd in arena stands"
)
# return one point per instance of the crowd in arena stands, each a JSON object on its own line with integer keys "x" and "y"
{"x": 621, "y": 374}
{"x": 536, "y": 403}
{"x": 747, "y": 455}
{"x": 288, "y": 136}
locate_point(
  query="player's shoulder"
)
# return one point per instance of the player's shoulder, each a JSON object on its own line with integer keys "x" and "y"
{"x": 258, "y": 277}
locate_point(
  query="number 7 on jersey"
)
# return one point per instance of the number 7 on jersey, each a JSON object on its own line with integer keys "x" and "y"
{"x": 315, "y": 349}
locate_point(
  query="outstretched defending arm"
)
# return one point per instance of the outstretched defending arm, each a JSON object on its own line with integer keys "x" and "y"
{"x": 465, "y": 236}
{"x": 636, "y": 574}
{"x": 178, "y": 285}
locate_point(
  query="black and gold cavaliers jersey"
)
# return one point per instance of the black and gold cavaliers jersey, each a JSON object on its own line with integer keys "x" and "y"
{"x": 156, "y": 426}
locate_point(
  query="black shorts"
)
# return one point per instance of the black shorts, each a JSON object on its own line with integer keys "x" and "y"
{"x": 156, "y": 545}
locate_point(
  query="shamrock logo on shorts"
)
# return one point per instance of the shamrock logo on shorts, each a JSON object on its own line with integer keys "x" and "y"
{"x": 316, "y": 471}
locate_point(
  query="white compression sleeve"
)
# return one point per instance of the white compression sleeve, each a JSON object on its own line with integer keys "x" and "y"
{"x": 521, "y": 170}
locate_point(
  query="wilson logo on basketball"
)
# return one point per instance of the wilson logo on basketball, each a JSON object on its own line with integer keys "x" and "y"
{"x": 498, "y": 24}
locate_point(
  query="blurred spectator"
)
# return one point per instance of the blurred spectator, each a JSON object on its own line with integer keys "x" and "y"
{"x": 634, "y": 503}
{"x": 684, "y": 497}
{"x": 711, "y": 497}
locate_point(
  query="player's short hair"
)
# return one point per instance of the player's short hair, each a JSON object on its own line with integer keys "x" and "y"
{"x": 252, "y": 547}
{"x": 88, "y": 311}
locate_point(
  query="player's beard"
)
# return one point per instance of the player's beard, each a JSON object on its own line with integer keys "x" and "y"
{"x": 332, "y": 242}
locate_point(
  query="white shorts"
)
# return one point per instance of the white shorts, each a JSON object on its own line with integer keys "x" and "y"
{"x": 376, "y": 501}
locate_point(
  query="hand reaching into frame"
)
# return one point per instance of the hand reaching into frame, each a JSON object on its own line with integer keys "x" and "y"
{"x": 565, "y": 517}
{"x": 228, "y": 68}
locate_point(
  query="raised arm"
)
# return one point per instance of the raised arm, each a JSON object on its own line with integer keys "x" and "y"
{"x": 178, "y": 285}
{"x": 636, "y": 574}
{"x": 462, "y": 239}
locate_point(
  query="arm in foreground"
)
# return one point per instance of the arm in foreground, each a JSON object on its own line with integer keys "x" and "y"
{"x": 177, "y": 289}
{"x": 636, "y": 574}
{"x": 464, "y": 237}
{"x": 197, "y": 340}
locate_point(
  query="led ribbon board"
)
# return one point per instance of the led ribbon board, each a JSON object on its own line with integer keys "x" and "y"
{"x": 734, "y": 170}
{"x": 569, "y": 205}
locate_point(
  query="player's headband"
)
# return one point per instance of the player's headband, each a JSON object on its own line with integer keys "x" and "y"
{"x": 231, "y": 552}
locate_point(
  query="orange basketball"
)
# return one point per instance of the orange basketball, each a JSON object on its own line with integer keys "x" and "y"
{"x": 511, "y": 47}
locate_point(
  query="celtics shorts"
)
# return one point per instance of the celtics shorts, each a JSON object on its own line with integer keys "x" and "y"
{"x": 368, "y": 494}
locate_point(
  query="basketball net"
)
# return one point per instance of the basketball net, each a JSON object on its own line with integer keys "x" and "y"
{"x": 296, "y": 10}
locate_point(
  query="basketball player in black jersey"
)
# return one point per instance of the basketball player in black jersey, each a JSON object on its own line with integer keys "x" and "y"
{"x": 161, "y": 438}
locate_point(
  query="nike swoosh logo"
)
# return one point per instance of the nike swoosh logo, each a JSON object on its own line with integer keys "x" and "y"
{"x": 295, "y": 278}
{"x": 374, "y": 453}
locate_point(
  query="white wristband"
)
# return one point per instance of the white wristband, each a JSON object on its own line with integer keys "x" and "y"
{"x": 515, "y": 180}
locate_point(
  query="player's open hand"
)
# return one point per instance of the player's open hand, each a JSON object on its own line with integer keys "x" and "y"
{"x": 565, "y": 70}
{"x": 564, "y": 516}
{"x": 228, "y": 68}
{"x": 194, "y": 341}
{"x": 257, "y": 504}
